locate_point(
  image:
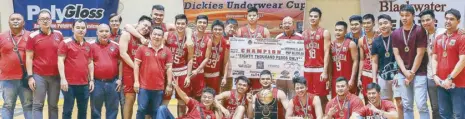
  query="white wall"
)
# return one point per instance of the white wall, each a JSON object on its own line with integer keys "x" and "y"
{"x": 130, "y": 10}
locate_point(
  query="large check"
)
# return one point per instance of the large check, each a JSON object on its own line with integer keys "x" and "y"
{"x": 284, "y": 58}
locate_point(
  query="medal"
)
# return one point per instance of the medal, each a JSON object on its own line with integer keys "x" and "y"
{"x": 304, "y": 107}
{"x": 444, "y": 45}
{"x": 341, "y": 109}
{"x": 407, "y": 49}
{"x": 15, "y": 43}
{"x": 254, "y": 35}
{"x": 386, "y": 46}
{"x": 341, "y": 113}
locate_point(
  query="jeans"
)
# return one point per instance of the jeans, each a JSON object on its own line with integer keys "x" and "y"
{"x": 164, "y": 113}
{"x": 11, "y": 90}
{"x": 81, "y": 94}
{"x": 416, "y": 90}
{"x": 433, "y": 98}
{"x": 146, "y": 97}
{"x": 451, "y": 103}
{"x": 46, "y": 86}
{"x": 104, "y": 91}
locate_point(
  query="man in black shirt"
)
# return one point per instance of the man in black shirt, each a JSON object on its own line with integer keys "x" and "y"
{"x": 384, "y": 64}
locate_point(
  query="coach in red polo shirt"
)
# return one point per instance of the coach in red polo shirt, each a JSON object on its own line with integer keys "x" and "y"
{"x": 152, "y": 64}
{"x": 75, "y": 65}
{"x": 12, "y": 47}
{"x": 42, "y": 68}
{"x": 105, "y": 54}
{"x": 448, "y": 63}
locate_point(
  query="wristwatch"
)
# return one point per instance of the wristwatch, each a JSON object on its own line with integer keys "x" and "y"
{"x": 28, "y": 77}
{"x": 449, "y": 77}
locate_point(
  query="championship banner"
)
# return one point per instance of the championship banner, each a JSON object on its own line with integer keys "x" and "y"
{"x": 284, "y": 58}
{"x": 271, "y": 12}
{"x": 65, "y": 12}
{"x": 392, "y": 7}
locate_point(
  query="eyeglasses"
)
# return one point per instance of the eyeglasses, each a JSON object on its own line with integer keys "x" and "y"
{"x": 44, "y": 19}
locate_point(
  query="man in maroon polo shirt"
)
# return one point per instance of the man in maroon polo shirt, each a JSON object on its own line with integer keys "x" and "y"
{"x": 42, "y": 68}
{"x": 105, "y": 53}
{"x": 152, "y": 64}
{"x": 12, "y": 51}
{"x": 409, "y": 46}
{"x": 75, "y": 66}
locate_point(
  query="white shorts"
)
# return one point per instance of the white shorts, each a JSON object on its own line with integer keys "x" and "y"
{"x": 388, "y": 90}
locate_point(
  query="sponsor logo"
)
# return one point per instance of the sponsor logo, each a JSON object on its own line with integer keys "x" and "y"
{"x": 238, "y": 72}
{"x": 273, "y": 66}
{"x": 260, "y": 65}
{"x": 244, "y": 65}
{"x": 254, "y": 73}
{"x": 249, "y": 42}
{"x": 70, "y": 11}
{"x": 285, "y": 74}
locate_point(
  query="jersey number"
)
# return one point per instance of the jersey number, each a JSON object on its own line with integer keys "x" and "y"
{"x": 338, "y": 66}
{"x": 312, "y": 53}
{"x": 212, "y": 63}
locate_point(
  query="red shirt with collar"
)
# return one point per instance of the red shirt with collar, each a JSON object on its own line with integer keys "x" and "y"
{"x": 455, "y": 47}
{"x": 78, "y": 57}
{"x": 294, "y": 36}
{"x": 10, "y": 68}
{"x": 386, "y": 106}
{"x": 353, "y": 103}
{"x": 44, "y": 46}
{"x": 194, "y": 112}
{"x": 153, "y": 64}
{"x": 105, "y": 57}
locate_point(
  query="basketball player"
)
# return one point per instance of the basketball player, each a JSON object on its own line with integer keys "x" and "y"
{"x": 304, "y": 104}
{"x": 344, "y": 54}
{"x": 365, "y": 44}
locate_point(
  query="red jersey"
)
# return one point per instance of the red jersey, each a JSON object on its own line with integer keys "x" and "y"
{"x": 10, "y": 67}
{"x": 179, "y": 49}
{"x": 200, "y": 48}
{"x": 153, "y": 63}
{"x": 342, "y": 59}
{"x": 195, "y": 110}
{"x": 133, "y": 44}
{"x": 350, "y": 104}
{"x": 44, "y": 46}
{"x": 232, "y": 102}
{"x": 216, "y": 60}
{"x": 78, "y": 56}
{"x": 307, "y": 110}
{"x": 258, "y": 33}
{"x": 294, "y": 36}
{"x": 314, "y": 48}
{"x": 115, "y": 36}
{"x": 105, "y": 59}
{"x": 386, "y": 106}
{"x": 162, "y": 25}
{"x": 367, "y": 50}
{"x": 448, "y": 49}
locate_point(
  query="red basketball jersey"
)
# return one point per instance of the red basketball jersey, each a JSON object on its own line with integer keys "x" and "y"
{"x": 342, "y": 59}
{"x": 314, "y": 48}
{"x": 216, "y": 59}
{"x": 178, "y": 48}
{"x": 300, "y": 108}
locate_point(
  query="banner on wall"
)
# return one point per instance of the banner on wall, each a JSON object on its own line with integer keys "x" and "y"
{"x": 284, "y": 58}
{"x": 392, "y": 7}
{"x": 65, "y": 12}
{"x": 271, "y": 12}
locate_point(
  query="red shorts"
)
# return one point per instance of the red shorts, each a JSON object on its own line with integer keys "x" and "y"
{"x": 353, "y": 89}
{"x": 128, "y": 82}
{"x": 365, "y": 81}
{"x": 213, "y": 82}
{"x": 197, "y": 85}
{"x": 315, "y": 86}
{"x": 255, "y": 83}
{"x": 187, "y": 90}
